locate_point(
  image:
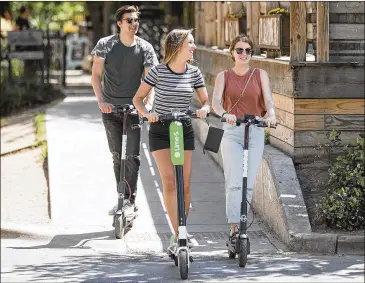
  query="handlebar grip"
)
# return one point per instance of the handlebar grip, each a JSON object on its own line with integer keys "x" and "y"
{"x": 193, "y": 115}
{"x": 265, "y": 126}
{"x": 238, "y": 121}
{"x": 122, "y": 108}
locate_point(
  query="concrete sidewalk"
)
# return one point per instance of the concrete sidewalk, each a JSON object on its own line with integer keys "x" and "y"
{"x": 82, "y": 187}
{"x": 80, "y": 245}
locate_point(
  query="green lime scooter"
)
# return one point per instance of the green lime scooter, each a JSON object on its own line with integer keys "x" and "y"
{"x": 180, "y": 255}
{"x": 242, "y": 243}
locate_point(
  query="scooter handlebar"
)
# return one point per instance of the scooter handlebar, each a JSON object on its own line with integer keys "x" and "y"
{"x": 123, "y": 108}
{"x": 126, "y": 108}
{"x": 251, "y": 119}
{"x": 171, "y": 117}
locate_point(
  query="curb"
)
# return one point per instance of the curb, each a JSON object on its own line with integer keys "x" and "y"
{"x": 327, "y": 243}
{"x": 14, "y": 230}
{"x": 313, "y": 242}
{"x": 350, "y": 245}
{"x": 307, "y": 241}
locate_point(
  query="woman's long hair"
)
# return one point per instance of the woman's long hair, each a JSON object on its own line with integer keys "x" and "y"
{"x": 173, "y": 43}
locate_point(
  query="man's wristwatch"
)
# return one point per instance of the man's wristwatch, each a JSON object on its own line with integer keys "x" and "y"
{"x": 224, "y": 114}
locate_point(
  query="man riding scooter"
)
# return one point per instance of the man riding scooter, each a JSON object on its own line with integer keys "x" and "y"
{"x": 120, "y": 61}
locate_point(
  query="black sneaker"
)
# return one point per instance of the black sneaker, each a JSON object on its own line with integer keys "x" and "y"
{"x": 233, "y": 234}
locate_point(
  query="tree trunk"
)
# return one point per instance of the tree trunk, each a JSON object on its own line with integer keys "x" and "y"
{"x": 106, "y": 25}
{"x": 96, "y": 15}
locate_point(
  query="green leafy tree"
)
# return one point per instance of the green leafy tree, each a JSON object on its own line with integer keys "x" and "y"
{"x": 54, "y": 14}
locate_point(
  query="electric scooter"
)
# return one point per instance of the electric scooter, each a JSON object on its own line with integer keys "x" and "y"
{"x": 120, "y": 222}
{"x": 242, "y": 244}
{"x": 180, "y": 255}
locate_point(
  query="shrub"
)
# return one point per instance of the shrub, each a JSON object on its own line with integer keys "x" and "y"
{"x": 18, "y": 96}
{"x": 343, "y": 205}
{"x": 267, "y": 136}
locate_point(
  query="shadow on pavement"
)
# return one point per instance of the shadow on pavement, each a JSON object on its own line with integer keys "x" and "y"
{"x": 109, "y": 267}
{"x": 69, "y": 241}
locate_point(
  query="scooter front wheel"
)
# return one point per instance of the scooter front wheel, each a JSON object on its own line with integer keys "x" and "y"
{"x": 119, "y": 226}
{"x": 243, "y": 251}
{"x": 183, "y": 264}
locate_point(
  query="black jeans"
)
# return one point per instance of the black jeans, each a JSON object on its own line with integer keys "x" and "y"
{"x": 113, "y": 124}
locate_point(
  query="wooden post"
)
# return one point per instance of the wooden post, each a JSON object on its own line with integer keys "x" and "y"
{"x": 298, "y": 32}
{"x": 199, "y": 30}
{"x": 225, "y": 12}
{"x": 192, "y": 11}
{"x": 210, "y": 24}
{"x": 322, "y": 32}
{"x": 220, "y": 25}
{"x": 255, "y": 14}
{"x": 263, "y": 6}
{"x": 196, "y": 27}
{"x": 249, "y": 18}
{"x": 252, "y": 17}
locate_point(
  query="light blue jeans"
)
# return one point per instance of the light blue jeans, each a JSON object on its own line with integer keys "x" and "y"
{"x": 233, "y": 155}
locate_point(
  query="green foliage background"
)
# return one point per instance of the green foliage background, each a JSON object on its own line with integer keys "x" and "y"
{"x": 53, "y": 13}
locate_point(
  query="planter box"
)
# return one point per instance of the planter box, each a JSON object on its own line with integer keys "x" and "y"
{"x": 233, "y": 27}
{"x": 274, "y": 32}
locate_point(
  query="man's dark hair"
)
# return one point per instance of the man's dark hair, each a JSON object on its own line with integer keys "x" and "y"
{"x": 22, "y": 9}
{"x": 125, "y": 10}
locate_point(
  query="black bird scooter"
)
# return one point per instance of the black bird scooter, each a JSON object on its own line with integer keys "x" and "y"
{"x": 120, "y": 222}
{"x": 242, "y": 243}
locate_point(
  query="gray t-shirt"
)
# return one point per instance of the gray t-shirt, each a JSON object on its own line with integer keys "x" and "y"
{"x": 123, "y": 68}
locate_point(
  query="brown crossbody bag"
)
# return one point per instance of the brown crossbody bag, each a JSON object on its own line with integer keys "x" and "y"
{"x": 215, "y": 135}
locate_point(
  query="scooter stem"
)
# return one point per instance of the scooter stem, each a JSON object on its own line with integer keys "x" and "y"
{"x": 243, "y": 218}
{"x": 181, "y": 217}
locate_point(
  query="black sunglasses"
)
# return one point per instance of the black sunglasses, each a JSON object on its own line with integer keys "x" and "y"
{"x": 248, "y": 51}
{"x": 131, "y": 20}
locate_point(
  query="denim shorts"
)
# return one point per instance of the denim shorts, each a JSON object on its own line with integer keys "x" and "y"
{"x": 159, "y": 136}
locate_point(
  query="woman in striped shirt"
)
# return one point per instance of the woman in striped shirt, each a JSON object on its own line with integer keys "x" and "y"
{"x": 175, "y": 82}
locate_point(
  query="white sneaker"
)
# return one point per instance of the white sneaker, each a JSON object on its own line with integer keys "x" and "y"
{"x": 173, "y": 244}
{"x": 128, "y": 209}
{"x": 113, "y": 210}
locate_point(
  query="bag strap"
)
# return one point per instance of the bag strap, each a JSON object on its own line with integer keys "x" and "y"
{"x": 243, "y": 91}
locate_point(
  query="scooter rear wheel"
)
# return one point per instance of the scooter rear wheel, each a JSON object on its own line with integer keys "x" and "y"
{"x": 120, "y": 224}
{"x": 243, "y": 251}
{"x": 183, "y": 264}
